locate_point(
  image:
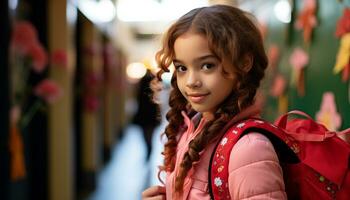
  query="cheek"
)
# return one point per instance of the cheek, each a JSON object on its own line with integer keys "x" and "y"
{"x": 222, "y": 87}
{"x": 180, "y": 85}
{"x": 219, "y": 83}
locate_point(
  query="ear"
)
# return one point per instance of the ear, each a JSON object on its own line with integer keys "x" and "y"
{"x": 247, "y": 63}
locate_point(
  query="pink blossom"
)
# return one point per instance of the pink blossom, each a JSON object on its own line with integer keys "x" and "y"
{"x": 311, "y": 4}
{"x": 38, "y": 56}
{"x": 279, "y": 86}
{"x": 23, "y": 35}
{"x": 328, "y": 114}
{"x": 299, "y": 59}
{"x": 273, "y": 55}
{"x": 24, "y": 41}
{"x": 59, "y": 57}
{"x": 49, "y": 90}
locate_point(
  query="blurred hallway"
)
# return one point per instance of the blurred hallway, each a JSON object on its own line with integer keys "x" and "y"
{"x": 69, "y": 71}
{"x": 127, "y": 173}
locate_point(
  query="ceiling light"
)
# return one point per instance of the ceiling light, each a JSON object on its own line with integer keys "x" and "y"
{"x": 283, "y": 11}
{"x": 101, "y": 11}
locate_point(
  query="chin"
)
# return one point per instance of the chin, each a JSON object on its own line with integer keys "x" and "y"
{"x": 197, "y": 109}
{"x": 200, "y": 109}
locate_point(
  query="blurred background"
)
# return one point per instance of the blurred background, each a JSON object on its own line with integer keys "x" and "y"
{"x": 75, "y": 123}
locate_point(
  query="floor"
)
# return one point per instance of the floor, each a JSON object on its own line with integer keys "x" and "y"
{"x": 127, "y": 174}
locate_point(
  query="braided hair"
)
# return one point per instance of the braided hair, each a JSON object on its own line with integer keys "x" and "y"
{"x": 231, "y": 36}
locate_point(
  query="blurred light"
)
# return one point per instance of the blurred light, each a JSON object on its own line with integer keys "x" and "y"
{"x": 144, "y": 11}
{"x": 13, "y": 4}
{"x": 150, "y": 63}
{"x": 150, "y": 10}
{"x": 283, "y": 11}
{"x": 72, "y": 13}
{"x": 136, "y": 70}
{"x": 98, "y": 11}
{"x": 154, "y": 64}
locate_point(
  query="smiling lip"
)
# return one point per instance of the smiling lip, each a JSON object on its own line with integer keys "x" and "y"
{"x": 197, "y": 98}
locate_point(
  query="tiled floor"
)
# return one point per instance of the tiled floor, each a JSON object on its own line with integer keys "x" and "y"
{"x": 127, "y": 174}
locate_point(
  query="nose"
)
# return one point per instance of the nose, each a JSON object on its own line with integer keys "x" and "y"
{"x": 193, "y": 80}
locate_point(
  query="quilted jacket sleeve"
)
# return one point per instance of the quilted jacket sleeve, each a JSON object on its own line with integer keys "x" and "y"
{"x": 254, "y": 170}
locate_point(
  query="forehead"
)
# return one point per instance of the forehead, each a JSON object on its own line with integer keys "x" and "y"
{"x": 191, "y": 45}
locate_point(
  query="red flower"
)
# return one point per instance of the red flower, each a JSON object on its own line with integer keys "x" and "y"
{"x": 23, "y": 35}
{"x": 24, "y": 41}
{"x": 38, "y": 56}
{"x": 306, "y": 19}
{"x": 49, "y": 90}
{"x": 59, "y": 57}
{"x": 343, "y": 24}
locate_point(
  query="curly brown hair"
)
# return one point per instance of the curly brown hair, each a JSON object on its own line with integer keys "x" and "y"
{"x": 231, "y": 35}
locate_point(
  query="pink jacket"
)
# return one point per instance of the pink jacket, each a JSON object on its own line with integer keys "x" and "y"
{"x": 254, "y": 170}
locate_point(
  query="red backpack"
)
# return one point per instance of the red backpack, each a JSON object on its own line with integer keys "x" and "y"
{"x": 315, "y": 161}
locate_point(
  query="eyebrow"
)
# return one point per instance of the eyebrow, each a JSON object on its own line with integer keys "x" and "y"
{"x": 198, "y": 59}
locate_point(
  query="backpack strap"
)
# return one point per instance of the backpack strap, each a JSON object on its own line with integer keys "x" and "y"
{"x": 219, "y": 162}
{"x": 315, "y": 135}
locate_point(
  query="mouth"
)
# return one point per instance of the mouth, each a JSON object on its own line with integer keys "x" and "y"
{"x": 196, "y": 97}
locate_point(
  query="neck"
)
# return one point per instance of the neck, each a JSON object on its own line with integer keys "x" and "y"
{"x": 208, "y": 116}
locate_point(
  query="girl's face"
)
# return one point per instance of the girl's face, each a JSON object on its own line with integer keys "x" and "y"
{"x": 200, "y": 74}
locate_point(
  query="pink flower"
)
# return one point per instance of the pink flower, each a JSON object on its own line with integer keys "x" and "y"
{"x": 38, "y": 56}
{"x": 23, "y": 35}
{"x": 25, "y": 42}
{"x": 328, "y": 114}
{"x": 49, "y": 90}
{"x": 59, "y": 57}
{"x": 279, "y": 86}
{"x": 299, "y": 59}
{"x": 311, "y": 4}
{"x": 273, "y": 55}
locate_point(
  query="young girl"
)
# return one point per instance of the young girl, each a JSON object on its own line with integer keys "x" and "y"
{"x": 219, "y": 59}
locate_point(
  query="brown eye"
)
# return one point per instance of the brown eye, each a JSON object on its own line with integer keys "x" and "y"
{"x": 208, "y": 66}
{"x": 180, "y": 68}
